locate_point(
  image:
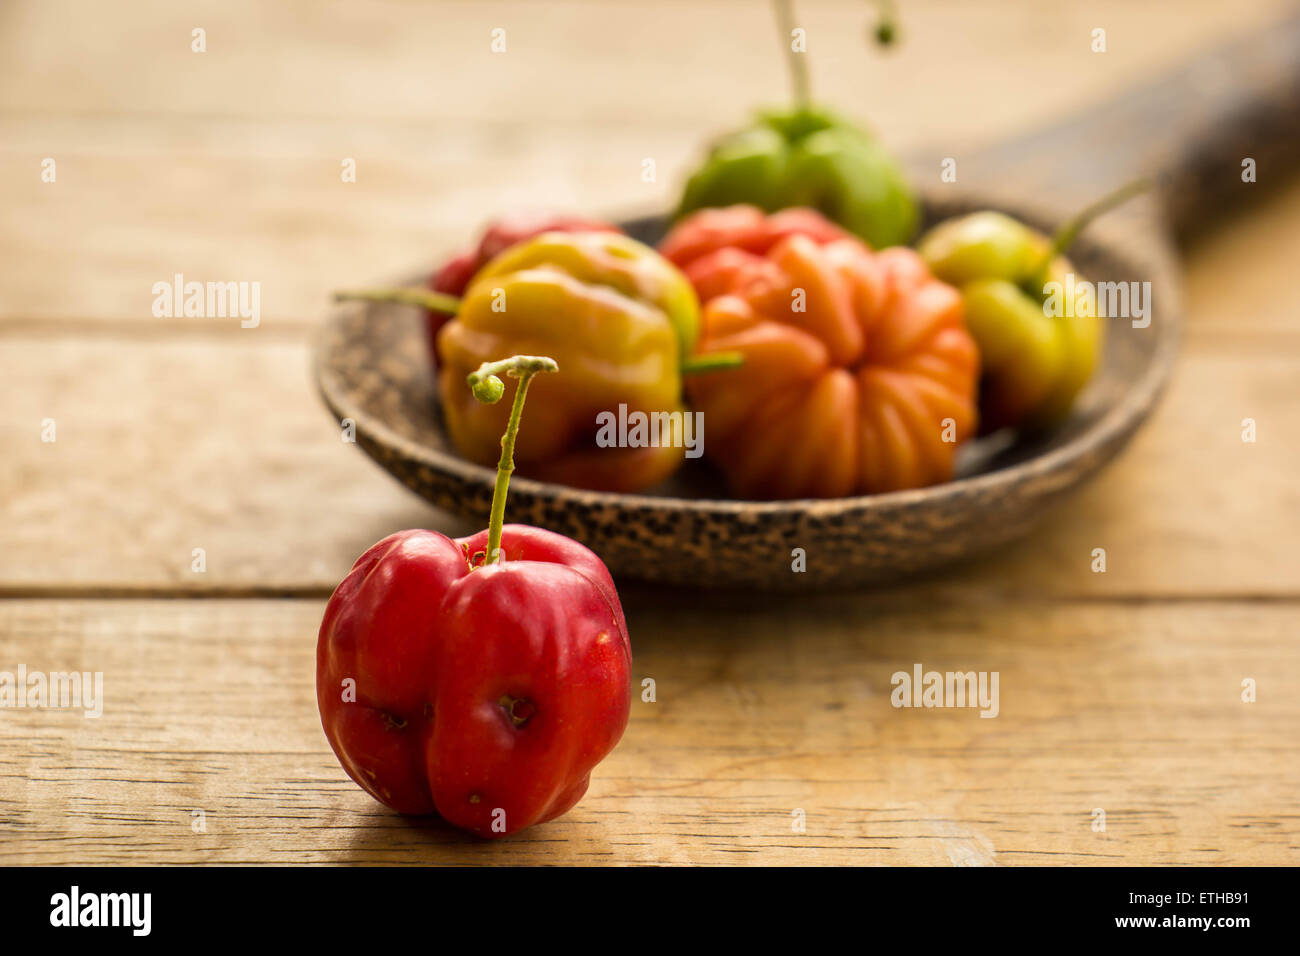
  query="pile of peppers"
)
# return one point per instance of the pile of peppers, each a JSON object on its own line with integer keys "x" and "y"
{"x": 784, "y": 330}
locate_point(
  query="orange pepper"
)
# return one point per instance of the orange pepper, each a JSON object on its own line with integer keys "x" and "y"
{"x": 859, "y": 375}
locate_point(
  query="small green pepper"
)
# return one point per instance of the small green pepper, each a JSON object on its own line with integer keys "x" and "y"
{"x": 1035, "y": 362}
{"x": 808, "y": 156}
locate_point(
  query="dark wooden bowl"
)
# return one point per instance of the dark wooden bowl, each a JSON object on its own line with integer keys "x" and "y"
{"x": 373, "y": 368}
{"x": 1189, "y": 129}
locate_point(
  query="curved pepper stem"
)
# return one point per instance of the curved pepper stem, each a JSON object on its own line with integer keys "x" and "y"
{"x": 1069, "y": 230}
{"x": 784, "y": 10}
{"x": 885, "y": 33}
{"x": 488, "y": 388}
{"x": 433, "y": 301}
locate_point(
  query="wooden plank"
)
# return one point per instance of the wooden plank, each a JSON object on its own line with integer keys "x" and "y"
{"x": 1120, "y": 691}
{"x": 164, "y": 447}
{"x": 126, "y": 214}
{"x": 991, "y": 64}
{"x": 762, "y": 708}
{"x": 225, "y": 165}
{"x": 1237, "y": 275}
{"x": 219, "y": 442}
{"x": 223, "y": 200}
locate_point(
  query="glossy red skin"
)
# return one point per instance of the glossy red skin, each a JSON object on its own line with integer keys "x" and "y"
{"x": 454, "y": 276}
{"x": 433, "y": 647}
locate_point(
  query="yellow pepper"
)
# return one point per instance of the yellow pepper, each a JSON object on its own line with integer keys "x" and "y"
{"x": 1036, "y": 358}
{"x": 618, "y": 319}
{"x": 1035, "y": 364}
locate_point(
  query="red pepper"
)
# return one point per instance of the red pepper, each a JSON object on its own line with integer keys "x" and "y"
{"x": 480, "y": 679}
{"x": 722, "y": 250}
{"x": 743, "y": 227}
{"x": 453, "y": 277}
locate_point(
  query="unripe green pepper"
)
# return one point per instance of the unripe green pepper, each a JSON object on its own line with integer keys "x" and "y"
{"x": 1034, "y": 362}
{"x": 807, "y": 156}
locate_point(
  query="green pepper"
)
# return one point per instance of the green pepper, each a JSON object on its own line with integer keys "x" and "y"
{"x": 807, "y": 156}
{"x": 1035, "y": 362}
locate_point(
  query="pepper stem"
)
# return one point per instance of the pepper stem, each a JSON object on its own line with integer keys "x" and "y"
{"x": 713, "y": 362}
{"x": 433, "y": 301}
{"x": 1069, "y": 230}
{"x": 797, "y": 61}
{"x": 488, "y": 388}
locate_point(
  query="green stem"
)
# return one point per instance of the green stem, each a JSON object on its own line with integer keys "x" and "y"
{"x": 798, "y": 61}
{"x": 1069, "y": 230}
{"x": 488, "y": 389}
{"x": 433, "y": 301}
{"x": 887, "y": 24}
{"x": 697, "y": 364}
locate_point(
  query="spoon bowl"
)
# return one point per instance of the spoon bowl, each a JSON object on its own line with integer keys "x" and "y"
{"x": 372, "y": 367}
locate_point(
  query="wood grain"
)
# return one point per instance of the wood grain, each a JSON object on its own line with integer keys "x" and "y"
{"x": 1136, "y": 710}
{"x": 1119, "y": 690}
{"x": 220, "y": 443}
{"x": 218, "y": 165}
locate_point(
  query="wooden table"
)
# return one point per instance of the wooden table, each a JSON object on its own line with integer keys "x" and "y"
{"x": 1120, "y": 691}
